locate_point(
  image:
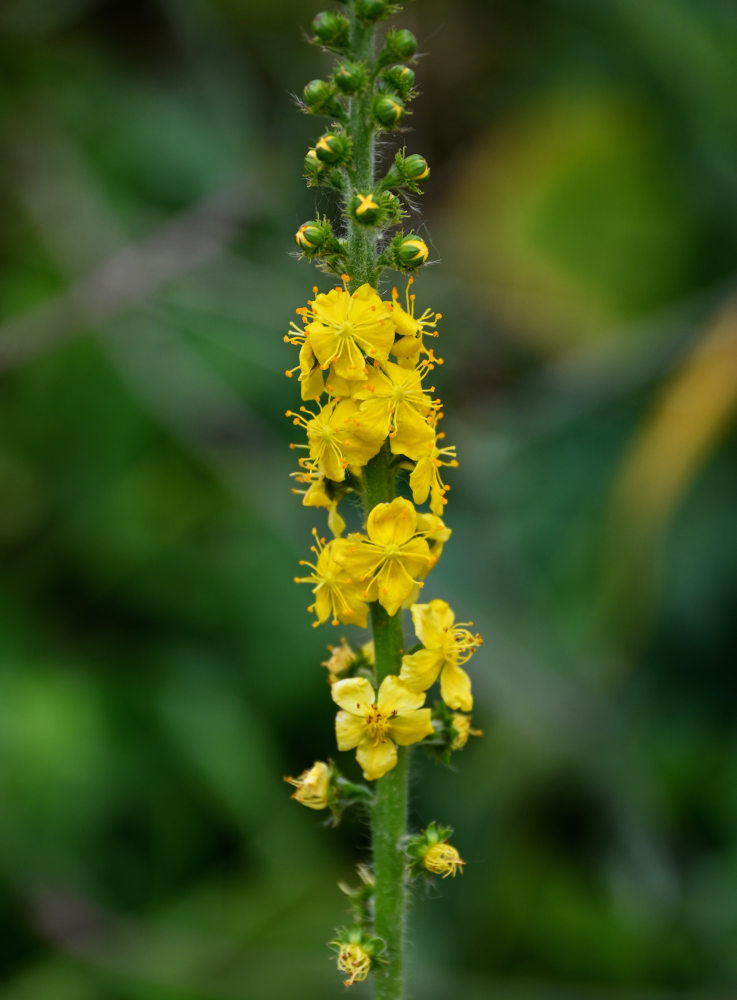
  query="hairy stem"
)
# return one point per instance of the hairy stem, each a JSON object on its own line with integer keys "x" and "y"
{"x": 362, "y": 239}
{"x": 389, "y": 813}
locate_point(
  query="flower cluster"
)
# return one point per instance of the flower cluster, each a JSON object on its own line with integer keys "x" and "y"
{"x": 371, "y": 454}
{"x": 365, "y": 404}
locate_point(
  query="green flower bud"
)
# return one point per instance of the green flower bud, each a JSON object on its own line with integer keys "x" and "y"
{"x": 350, "y": 77}
{"x": 415, "y": 167}
{"x": 365, "y": 209}
{"x": 408, "y": 252}
{"x": 331, "y": 29}
{"x": 399, "y": 78}
{"x": 312, "y": 236}
{"x": 373, "y": 10}
{"x": 333, "y": 148}
{"x": 400, "y": 44}
{"x": 387, "y": 110}
{"x": 319, "y": 97}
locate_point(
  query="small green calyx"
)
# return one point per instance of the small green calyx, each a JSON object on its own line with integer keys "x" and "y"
{"x": 399, "y": 44}
{"x": 387, "y": 110}
{"x": 334, "y": 149}
{"x": 350, "y": 77}
{"x": 331, "y": 30}
{"x": 407, "y": 253}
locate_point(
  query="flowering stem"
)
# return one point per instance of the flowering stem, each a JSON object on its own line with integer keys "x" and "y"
{"x": 389, "y": 814}
{"x": 362, "y": 241}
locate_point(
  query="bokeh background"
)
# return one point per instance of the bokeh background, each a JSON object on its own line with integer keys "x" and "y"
{"x": 158, "y": 671}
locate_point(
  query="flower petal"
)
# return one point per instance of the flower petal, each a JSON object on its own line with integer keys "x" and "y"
{"x": 376, "y": 758}
{"x": 354, "y": 694}
{"x": 349, "y": 729}
{"x": 455, "y": 688}
{"x": 394, "y": 585}
{"x": 431, "y": 622}
{"x": 416, "y": 557}
{"x": 411, "y": 727}
{"x": 420, "y": 670}
{"x": 394, "y": 696}
{"x": 392, "y": 523}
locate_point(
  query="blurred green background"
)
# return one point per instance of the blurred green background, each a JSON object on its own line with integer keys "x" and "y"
{"x": 158, "y": 672}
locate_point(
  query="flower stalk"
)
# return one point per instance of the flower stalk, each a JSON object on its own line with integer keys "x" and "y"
{"x": 370, "y": 428}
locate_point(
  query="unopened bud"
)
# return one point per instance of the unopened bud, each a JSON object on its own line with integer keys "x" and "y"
{"x": 415, "y": 167}
{"x": 373, "y": 10}
{"x": 350, "y": 77}
{"x": 400, "y": 44}
{"x": 331, "y": 29}
{"x": 365, "y": 209}
{"x": 334, "y": 149}
{"x": 312, "y": 236}
{"x": 387, "y": 110}
{"x": 408, "y": 252}
{"x": 319, "y": 97}
{"x": 399, "y": 78}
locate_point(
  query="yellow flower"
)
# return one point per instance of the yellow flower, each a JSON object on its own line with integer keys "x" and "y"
{"x": 346, "y": 326}
{"x": 313, "y": 786}
{"x": 443, "y": 859}
{"x": 462, "y": 725}
{"x": 356, "y": 961}
{"x": 373, "y": 724}
{"x": 395, "y": 403}
{"x": 446, "y": 647}
{"x": 425, "y": 477}
{"x": 388, "y": 562}
{"x": 336, "y": 596}
{"x": 410, "y": 329}
{"x": 325, "y": 436}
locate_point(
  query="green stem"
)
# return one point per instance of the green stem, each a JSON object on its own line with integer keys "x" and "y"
{"x": 362, "y": 239}
{"x": 389, "y": 813}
